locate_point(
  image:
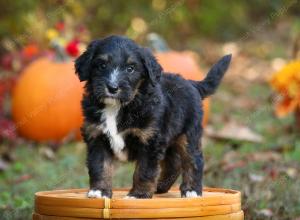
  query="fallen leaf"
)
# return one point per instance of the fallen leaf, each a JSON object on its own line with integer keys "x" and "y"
{"x": 231, "y": 166}
{"x": 256, "y": 178}
{"x": 48, "y": 153}
{"x": 264, "y": 156}
{"x": 22, "y": 178}
{"x": 233, "y": 131}
{"x": 273, "y": 173}
{"x": 265, "y": 212}
{"x": 3, "y": 165}
{"x": 291, "y": 172}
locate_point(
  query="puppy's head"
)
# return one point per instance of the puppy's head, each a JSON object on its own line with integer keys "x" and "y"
{"x": 115, "y": 67}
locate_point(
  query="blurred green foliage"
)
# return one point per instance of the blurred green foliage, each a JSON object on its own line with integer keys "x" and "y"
{"x": 12, "y": 16}
{"x": 181, "y": 19}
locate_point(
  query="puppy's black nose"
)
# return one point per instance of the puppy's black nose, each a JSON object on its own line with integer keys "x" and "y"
{"x": 112, "y": 88}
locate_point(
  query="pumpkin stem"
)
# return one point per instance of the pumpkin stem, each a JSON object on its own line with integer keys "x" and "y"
{"x": 60, "y": 54}
{"x": 157, "y": 43}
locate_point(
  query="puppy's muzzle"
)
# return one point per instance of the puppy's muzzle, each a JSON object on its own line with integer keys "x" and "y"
{"x": 112, "y": 88}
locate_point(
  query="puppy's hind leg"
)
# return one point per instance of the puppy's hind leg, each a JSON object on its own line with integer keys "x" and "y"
{"x": 170, "y": 170}
{"x": 145, "y": 175}
{"x": 192, "y": 167}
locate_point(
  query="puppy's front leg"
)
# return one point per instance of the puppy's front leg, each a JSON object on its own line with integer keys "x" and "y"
{"x": 99, "y": 163}
{"x": 145, "y": 177}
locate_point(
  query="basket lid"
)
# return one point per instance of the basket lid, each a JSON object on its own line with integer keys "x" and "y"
{"x": 74, "y": 203}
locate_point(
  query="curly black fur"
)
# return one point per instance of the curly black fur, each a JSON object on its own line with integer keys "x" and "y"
{"x": 158, "y": 116}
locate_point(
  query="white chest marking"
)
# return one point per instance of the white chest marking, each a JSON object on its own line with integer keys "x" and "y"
{"x": 109, "y": 127}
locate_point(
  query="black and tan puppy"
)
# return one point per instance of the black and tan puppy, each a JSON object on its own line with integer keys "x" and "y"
{"x": 134, "y": 111}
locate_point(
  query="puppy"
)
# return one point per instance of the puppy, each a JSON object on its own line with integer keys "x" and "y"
{"x": 135, "y": 112}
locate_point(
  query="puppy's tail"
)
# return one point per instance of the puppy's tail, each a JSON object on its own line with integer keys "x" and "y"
{"x": 209, "y": 85}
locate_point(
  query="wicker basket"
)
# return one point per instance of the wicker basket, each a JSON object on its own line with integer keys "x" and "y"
{"x": 221, "y": 204}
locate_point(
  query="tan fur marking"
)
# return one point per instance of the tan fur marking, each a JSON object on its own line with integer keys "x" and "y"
{"x": 129, "y": 60}
{"x": 181, "y": 143}
{"x": 187, "y": 163}
{"x": 143, "y": 134}
{"x": 104, "y": 57}
{"x": 91, "y": 129}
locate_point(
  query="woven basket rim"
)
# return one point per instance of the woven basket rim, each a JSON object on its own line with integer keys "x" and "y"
{"x": 74, "y": 203}
{"x": 205, "y": 189}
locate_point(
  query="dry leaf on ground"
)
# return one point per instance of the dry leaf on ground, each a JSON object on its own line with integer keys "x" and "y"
{"x": 233, "y": 131}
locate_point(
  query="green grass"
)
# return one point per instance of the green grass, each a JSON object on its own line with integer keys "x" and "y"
{"x": 67, "y": 170}
{"x": 280, "y": 193}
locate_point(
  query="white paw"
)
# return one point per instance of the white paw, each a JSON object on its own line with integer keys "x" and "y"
{"x": 129, "y": 197}
{"x": 191, "y": 194}
{"x": 95, "y": 194}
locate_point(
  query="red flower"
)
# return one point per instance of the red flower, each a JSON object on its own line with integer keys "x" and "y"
{"x": 72, "y": 48}
{"x": 60, "y": 26}
{"x": 30, "y": 51}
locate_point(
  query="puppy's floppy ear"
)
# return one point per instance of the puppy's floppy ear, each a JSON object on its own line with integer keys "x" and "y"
{"x": 83, "y": 62}
{"x": 154, "y": 70}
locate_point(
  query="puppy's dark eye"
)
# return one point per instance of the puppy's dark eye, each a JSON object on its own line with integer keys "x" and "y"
{"x": 130, "y": 69}
{"x": 102, "y": 66}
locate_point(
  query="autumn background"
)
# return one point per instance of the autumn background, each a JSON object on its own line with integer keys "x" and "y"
{"x": 251, "y": 141}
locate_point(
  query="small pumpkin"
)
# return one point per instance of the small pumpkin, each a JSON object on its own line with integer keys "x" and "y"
{"x": 185, "y": 64}
{"x": 46, "y": 101}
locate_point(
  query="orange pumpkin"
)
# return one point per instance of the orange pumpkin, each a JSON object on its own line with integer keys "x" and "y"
{"x": 46, "y": 101}
{"x": 185, "y": 64}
